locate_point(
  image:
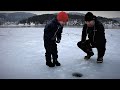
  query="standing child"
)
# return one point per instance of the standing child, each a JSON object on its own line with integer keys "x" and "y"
{"x": 52, "y": 35}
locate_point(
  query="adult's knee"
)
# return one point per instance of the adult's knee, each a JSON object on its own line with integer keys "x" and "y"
{"x": 79, "y": 44}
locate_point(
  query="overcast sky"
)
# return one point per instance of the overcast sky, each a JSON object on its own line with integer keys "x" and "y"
{"x": 108, "y": 14}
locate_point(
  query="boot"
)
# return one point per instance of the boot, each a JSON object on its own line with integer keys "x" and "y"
{"x": 50, "y": 64}
{"x": 89, "y": 55}
{"x": 56, "y": 63}
{"x": 100, "y": 60}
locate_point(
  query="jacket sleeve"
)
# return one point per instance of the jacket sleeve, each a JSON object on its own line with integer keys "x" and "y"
{"x": 84, "y": 33}
{"x": 59, "y": 33}
{"x": 48, "y": 31}
{"x": 100, "y": 34}
{"x": 48, "y": 27}
{"x": 101, "y": 30}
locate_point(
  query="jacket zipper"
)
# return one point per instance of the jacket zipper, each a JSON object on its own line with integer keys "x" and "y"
{"x": 94, "y": 34}
{"x": 86, "y": 31}
{"x": 56, "y": 33}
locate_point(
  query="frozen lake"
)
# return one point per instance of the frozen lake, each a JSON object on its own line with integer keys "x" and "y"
{"x": 22, "y": 56}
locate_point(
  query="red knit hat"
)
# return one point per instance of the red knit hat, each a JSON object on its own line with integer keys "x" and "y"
{"x": 62, "y": 16}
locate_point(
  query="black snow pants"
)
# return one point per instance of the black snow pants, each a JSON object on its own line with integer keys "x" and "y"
{"x": 87, "y": 47}
{"x": 51, "y": 50}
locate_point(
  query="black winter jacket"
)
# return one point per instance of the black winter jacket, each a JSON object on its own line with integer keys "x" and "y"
{"x": 95, "y": 34}
{"x": 52, "y": 31}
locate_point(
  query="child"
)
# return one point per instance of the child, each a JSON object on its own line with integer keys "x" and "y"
{"x": 52, "y": 35}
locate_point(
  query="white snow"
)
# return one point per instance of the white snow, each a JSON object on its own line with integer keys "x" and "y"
{"x": 22, "y": 56}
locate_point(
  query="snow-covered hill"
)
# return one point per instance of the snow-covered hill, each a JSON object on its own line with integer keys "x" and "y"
{"x": 118, "y": 19}
{"x": 15, "y": 17}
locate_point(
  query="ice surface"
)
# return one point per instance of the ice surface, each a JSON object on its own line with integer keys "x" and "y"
{"x": 22, "y": 56}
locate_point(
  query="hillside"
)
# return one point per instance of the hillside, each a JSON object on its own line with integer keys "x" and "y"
{"x": 117, "y": 19}
{"x": 75, "y": 19}
{"x": 14, "y": 17}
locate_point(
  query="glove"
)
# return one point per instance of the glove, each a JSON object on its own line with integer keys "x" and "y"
{"x": 58, "y": 41}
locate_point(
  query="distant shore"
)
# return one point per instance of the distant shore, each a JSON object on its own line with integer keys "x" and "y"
{"x": 16, "y": 26}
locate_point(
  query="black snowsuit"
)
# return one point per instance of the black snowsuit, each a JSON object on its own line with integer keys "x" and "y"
{"x": 52, "y": 33}
{"x": 96, "y": 39}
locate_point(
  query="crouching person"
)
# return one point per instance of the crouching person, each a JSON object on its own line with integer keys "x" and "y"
{"x": 96, "y": 37}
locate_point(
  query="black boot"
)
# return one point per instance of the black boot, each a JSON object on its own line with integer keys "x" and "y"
{"x": 50, "y": 64}
{"x": 89, "y": 55}
{"x": 100, "y": 60}
{"x": 56, "y": 63}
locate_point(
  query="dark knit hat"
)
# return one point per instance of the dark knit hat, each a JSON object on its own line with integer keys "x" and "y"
{"x": 89, "y": 16}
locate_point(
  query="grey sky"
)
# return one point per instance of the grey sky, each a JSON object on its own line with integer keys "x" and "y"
{"x": 108, "y": 14}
